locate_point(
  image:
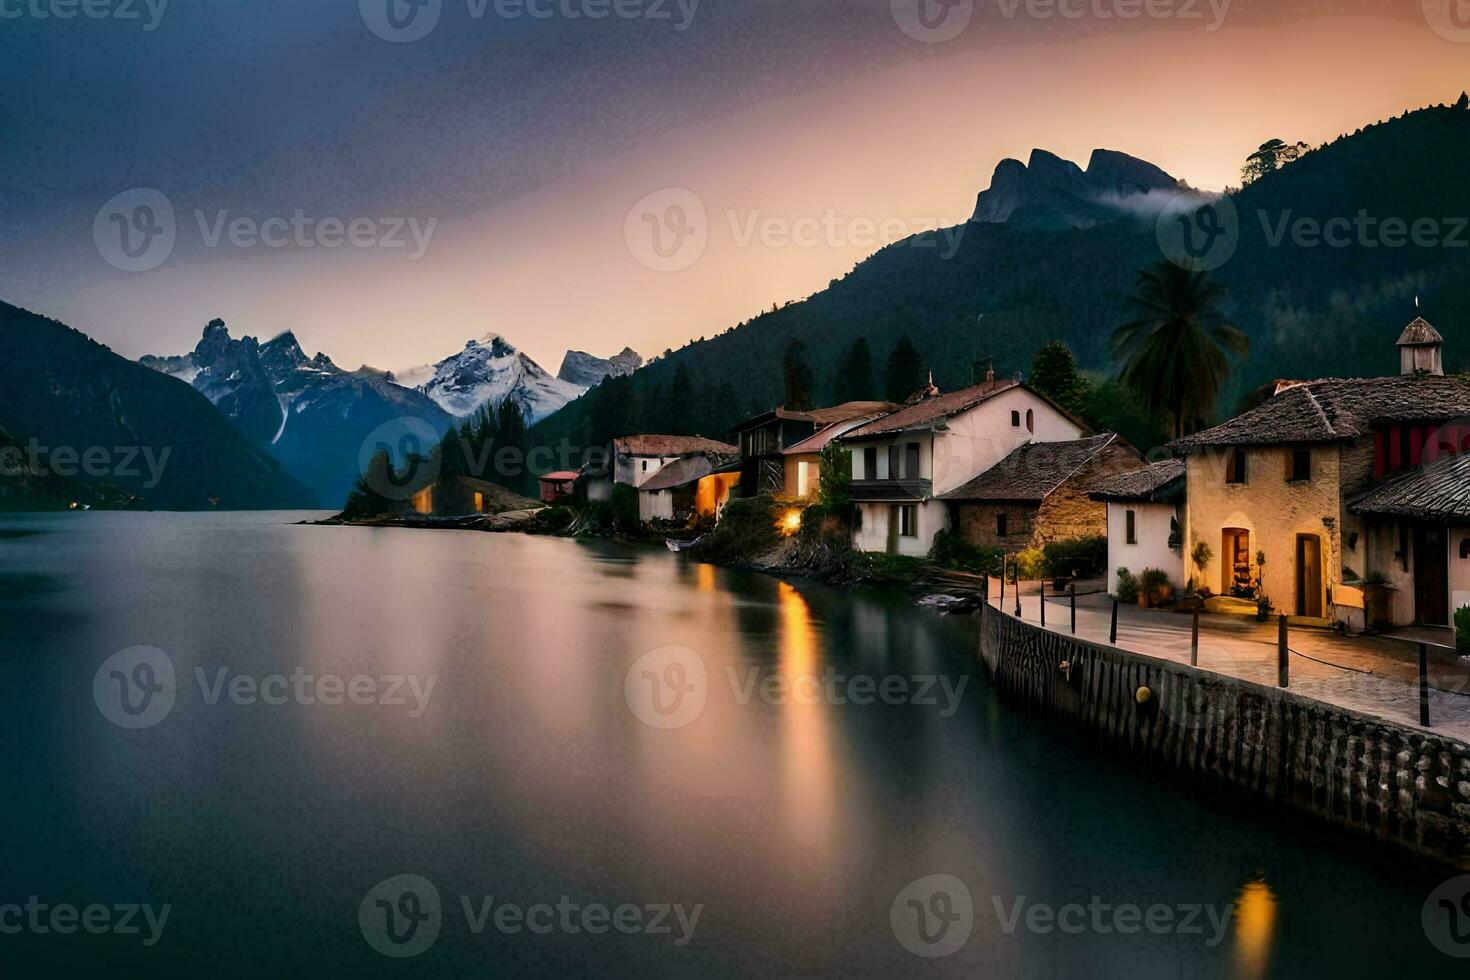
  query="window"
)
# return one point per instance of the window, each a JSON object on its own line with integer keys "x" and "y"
{"x": 908, "y": 521}
{"x": 645, "y": 466}
{"x": 870, "y": 463}
{"x": 1299, "y": 465}
{"x": 1015, "y": 420}
{"x": 895, "y": 457}
{"x": 911, "y": 461}
{"x": 857, "y": 519}
{"x": 1235, "y": 471}
{"x": 1002, "y": 525}
{"x": 1030, "y": 420}
{"x": 1132, "y": 521}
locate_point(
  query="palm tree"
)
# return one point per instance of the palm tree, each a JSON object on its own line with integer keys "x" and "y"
{"x": 1175, "y": 354}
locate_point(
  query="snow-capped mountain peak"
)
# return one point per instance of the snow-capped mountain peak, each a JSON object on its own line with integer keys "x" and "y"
{"x": 487, "y": 372}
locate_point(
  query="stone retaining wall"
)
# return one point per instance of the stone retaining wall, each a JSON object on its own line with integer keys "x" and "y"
{"x": 1395, "y": 783}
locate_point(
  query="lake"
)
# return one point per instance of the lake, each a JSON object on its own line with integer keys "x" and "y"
{"x": 386, "y": 751}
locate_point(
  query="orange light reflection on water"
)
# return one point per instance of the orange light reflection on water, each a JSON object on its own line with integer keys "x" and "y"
{"x": 1255, "y": 929}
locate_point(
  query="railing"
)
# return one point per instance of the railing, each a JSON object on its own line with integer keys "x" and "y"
{"x": 891, "y": 490}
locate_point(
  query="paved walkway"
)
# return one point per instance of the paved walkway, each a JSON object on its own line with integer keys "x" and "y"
{"x": 1375, "y": 675}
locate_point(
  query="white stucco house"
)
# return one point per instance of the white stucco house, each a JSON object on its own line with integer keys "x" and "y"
{"x": 637, "y": 459}
{"x": 904, "y": 461}
{"x": 1145, "y": 511}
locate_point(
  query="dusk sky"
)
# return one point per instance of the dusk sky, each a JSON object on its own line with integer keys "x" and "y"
{"x": 520, "y": 146}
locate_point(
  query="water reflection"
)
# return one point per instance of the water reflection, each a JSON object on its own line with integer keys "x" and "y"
{"x": 1255, "y": 929}
{"x": 806, "y": 757}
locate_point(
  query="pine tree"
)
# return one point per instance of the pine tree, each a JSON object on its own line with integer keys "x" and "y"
{"x": 798, "y": 377}
{"x": 905, "y": 373}
{"x": 1464, "y": 101}
{"x": 854, "y": 381}
{"x": 510, "y": 452}
{"x": 681, "y": 404}
{"x": 1054, "y": 373}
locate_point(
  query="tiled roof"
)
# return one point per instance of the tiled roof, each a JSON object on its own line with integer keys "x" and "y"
{"x": 932, "y": 410}
{"x": 1336, "y": 409}
{"x": 1419, "y": 334}
{"x": 670, "y": 446}
{"x": 679, "y": 473}
{"x": 1032, "y": 472}
{"x": 560, "y": 476}
{"x": 818, "y": 416}
{"x": 1439, "y": 491}
{"x": 1162, "y": 481}
{"x": 818, "y": 440}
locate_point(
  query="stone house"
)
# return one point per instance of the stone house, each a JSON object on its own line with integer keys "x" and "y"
{"x": 1040, "y": 492}
{"x": 904, "y": 462}
{"x": 1335, "y": 484}
{"x": 1144, "y": 517}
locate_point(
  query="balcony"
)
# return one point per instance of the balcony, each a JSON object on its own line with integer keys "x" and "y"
{"x": 892, "y": 491}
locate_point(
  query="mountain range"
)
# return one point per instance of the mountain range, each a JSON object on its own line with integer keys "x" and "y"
{"x": 314, "y": 416}
{"x": 1053, "y": 252}
{"x": 100, "y": 429}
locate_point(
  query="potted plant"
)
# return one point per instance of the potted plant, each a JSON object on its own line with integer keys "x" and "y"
{"x": 1153, "y": 588}
{"x": 1127, "y": 587}
{"x": 1263, "y": 608}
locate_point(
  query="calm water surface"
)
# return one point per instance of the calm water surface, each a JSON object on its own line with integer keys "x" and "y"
{"x": 793, "y": 823}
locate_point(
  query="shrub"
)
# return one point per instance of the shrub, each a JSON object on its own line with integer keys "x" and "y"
{"x": 747, "y": 529}
{"x": 554, "y": 518}
{"x": 620, "y": 514}
{"x": 1082, "y": 556}
{"x": 951, "y": 550}
{"x": 1462, "y": 629}
{"x": 1031, "y": 563}
{"x": 1155, "y": 584}
{"x": 1127, "y": 590}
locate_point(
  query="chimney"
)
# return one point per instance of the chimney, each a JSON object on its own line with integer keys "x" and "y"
{"x": 1421, "y": 349}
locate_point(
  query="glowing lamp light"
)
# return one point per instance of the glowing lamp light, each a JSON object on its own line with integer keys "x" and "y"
{"x": 790, "y": 522}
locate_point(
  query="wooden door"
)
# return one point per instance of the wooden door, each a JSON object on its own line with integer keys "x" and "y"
{"x": 1431, "y": 576}
{"x": 1309, "y": 576}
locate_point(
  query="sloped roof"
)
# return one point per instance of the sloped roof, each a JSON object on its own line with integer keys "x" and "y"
{"x": 1337, "y": 409}
{"x": 680, "y": 472}
{"x": 1161, "y": 481}
{"x": 933, "y": 410}
{"x": 1437, "y": 491}
{"x": 670, "y": 446}
{"x": 818, "y": 440}
{"x": 1034, "y": 471}
{"x": 1419, "y": 334}
{"x": 560, "y": 476}
{"x": 818, "y": 416}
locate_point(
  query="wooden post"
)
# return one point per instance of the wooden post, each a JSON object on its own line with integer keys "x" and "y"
{"x": 1113, "y": 633}
{"x": 1194, "y": 640}
{"x": 1073, "y": 590}
{"x": 1018, "y": 593}
{"x": 1424, "y": 684}
{"x": 1283, "y": 665}
{"x": 1002, "y": 580}
{"x": 985, "y": 588}
{"x": 1043, "y": 603}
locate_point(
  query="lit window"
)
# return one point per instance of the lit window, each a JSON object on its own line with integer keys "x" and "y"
{"x": 1132, "y": 527}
